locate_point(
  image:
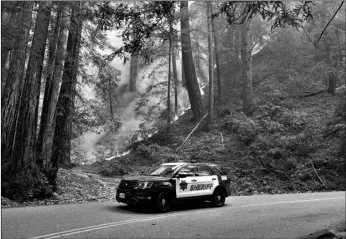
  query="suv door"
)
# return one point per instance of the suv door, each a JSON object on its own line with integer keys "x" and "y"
{"x": 185, "y": 180}
{"x": 207, "y": 181}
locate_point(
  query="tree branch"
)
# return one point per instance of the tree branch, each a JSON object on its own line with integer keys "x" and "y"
{"x": 330, "y": 21}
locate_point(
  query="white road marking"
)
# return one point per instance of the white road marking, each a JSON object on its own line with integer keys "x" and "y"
{"x": 296, "y": 201}
{"x": 114, "y": 224}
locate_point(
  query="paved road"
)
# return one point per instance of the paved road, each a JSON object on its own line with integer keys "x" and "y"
{"x": 266, "y": 216}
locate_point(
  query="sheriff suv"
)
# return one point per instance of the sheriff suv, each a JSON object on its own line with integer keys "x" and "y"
{"x": 172, "y": 182}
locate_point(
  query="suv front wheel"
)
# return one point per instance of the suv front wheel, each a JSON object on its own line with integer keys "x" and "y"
{"x": 163, "y": 202}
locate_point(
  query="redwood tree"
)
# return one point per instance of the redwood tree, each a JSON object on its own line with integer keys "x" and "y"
{"x": 211, "y": 65}
{"x": 188, "y": 64}
{"x": 10, "y": 97}
{"x": 216, "y": 52}
{"x": 56, "y": 57}
{"x": 175, "y": 78}
{"x": 246, "y": 58}
{"x": 23, "y": 173}
{"x": 64, "y": 109}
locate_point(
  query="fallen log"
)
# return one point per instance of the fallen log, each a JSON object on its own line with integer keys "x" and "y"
{"x": 191, "y": 133}
{"x": 312, "y": 94}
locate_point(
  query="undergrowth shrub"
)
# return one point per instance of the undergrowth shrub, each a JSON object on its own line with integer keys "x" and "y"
{"x": 269, "y": 90}
{"x": 225, "y": 110}
{"x": 244, "y": 127}
{"x": 113, "y": 170}
{"x": 155, "y": 153}
{"x": 294, "y": 121}
{"x": 270, "y": 126}
{"x": 336, "y": 127}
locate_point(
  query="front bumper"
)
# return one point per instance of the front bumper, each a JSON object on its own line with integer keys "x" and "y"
{"x": 133, "y": 196}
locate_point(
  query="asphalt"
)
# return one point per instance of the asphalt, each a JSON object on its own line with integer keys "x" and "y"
{"x": 260, "y": 216}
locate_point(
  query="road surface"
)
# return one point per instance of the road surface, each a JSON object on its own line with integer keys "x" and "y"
{"x": 265, "y": 216}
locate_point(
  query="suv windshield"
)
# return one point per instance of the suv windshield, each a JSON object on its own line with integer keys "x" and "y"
{"x": 163, "y": 170}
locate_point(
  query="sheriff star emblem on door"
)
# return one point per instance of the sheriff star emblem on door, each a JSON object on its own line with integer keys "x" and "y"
{"x": 183, "y": 185}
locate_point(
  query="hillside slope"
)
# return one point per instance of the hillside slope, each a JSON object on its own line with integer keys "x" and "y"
{"x": 292, "y": 146}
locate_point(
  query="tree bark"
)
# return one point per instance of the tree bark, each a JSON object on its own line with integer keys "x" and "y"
{"x": 332, "y": 78}
{"x": 219, "y": 86}
{"x": 169, "y": 78}
{"x": 134, "y": 65}
{"x": 175, "y": 79}
{"x": 246, "y": 58}
{"x": 183, "y": 79}
{"x": 65, "y": 105}
{"x": 56, "y": 54}
{"x": 23, "y": 168}
{"x": 211, "y": 64}
{"x": 10, "y": 98}
{"x": 189, "y": 67}
{"x": 110, "y": 97}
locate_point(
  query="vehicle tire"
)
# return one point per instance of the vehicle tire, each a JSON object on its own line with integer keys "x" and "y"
{"x": 218, "y": 198}
{"x": 163, "y": 202}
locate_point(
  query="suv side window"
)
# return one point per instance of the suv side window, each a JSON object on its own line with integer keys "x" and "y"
{"x": 188, "y": 170}
{"x": 203, "y": 170}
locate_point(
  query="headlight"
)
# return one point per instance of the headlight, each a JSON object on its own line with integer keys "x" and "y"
{"x": 143, "y": 185}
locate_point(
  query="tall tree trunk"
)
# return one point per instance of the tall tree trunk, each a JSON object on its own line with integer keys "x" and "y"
{"x": 219, "y": 86}
{"x": 189, "y": 67}
{"x": 54, "y": 68}
{"x": 332, "y": 78}
{"x": 237, "y": 60}
{"x": 53, "y": 94}
{"x": 198, "y": 56}
{"x": 133, "y": 65}
{"x": 133, "y": 73}
{"x": 246, "y": 58}
{"x": 64, "y": 110}
{"x": 13, "y": 84}
{"x": 175, "y": 78}
{"x": 169, "y": 77}
{"x": 23, "y": 168}
{"x": 211, "y": 65}
{"x": 183, "y": 78}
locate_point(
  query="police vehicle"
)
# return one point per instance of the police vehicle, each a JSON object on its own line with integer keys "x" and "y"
{"x": 172, "y": 182}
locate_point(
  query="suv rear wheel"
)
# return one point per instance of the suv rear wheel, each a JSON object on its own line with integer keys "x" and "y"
{"x": 218, "y": 197}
